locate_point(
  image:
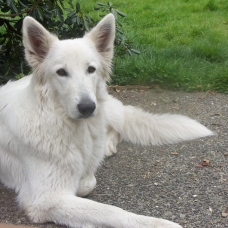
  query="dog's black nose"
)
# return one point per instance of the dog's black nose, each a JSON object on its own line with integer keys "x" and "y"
{"x": 86, "y": 107}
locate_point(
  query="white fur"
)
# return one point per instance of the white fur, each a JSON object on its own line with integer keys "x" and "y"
{"x": 139, "y": 127}
{"x": 50, "y": 150}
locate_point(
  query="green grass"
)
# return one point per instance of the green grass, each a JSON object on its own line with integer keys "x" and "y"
{"x": 183, "y": 43}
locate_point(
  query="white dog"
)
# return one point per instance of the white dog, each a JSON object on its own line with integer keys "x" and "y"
{"x": 53, "y": 127}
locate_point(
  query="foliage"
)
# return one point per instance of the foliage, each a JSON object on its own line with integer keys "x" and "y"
{"x": 66, "y": 20}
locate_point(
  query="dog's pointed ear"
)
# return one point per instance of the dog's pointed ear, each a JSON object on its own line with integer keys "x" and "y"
{"x": 103, "y": 35}
{"x": 37, "y": 41}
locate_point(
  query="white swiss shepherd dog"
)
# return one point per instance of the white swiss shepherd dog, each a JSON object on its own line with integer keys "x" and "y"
{"x": 57, "y": 124}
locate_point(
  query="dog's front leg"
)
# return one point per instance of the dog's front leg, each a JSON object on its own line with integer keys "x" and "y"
{"x": 78, "y": 212}
{"x": 48, "y": 195}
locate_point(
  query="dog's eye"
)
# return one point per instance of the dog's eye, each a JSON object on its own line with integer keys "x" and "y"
{"x": 61, "y": 72}
{"x": 91, "y": 69}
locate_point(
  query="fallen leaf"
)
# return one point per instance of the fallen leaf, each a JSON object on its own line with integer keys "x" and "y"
{"x": 216, "y": 114}
{"x": 210, "y": 209}
{"x": 117, "y": 89}
{"x": 182, "y": 147}
{"x": 153, "y": 103}
{"x": 174, "y": 153}
{"x": 225, "y": 213}
{"x": 205, "y": 162}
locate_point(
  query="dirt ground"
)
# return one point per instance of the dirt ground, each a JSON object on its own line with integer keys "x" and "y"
{"x": 186, "y": 182}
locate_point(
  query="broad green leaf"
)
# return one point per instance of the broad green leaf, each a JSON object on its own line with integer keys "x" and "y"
{"x": 60, "y": 16}
{"x": 8, "y": 2}
{"x": 71, "y": 14}
{"x": 40, "y": 13}
{"x": 22, "y": 4}
{"x": 77, "y": 7}
{"x": 86, "y": 25}
{"x": 78, "y": 20}
{"x": 119, "y": 23}
{"x": 101, "y": 4}
{"x": 14, "y": 7}
{"x": 68, "y": 21}
{"x": 121, "y": 14}
{"x": 129, "y": 52}
{"x": 89, "y": 19}
{"x": 73, "y": 20}
{"x": 135, "y": 51}
{"x": 114, "y": 13}
{"x": 119, "y": 30}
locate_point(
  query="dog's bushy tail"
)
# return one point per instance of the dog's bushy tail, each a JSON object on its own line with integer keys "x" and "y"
{"x": 137, "y": 126}
{"x": 152, "y": 129}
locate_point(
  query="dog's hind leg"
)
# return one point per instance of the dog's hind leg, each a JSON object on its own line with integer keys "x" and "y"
{"x": 86, "y": 185}
{"x": 11, "y": 170}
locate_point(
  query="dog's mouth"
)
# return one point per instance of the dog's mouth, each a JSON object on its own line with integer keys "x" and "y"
{"x": 85, "y": 116}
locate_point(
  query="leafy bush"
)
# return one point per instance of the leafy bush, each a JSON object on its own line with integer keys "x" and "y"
{"x": 66, "y": 20}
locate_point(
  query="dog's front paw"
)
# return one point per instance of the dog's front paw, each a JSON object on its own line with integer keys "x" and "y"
{"x": 167, "y": 224}
{"x": 149, "y": 222}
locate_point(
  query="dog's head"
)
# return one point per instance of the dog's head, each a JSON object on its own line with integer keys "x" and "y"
{"x": 72, "y": 72}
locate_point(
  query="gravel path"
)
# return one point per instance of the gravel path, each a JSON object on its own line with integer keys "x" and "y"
{"x": 167, "y": 181}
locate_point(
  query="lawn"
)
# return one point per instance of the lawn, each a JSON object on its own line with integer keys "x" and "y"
{"x": 183, "y": 43}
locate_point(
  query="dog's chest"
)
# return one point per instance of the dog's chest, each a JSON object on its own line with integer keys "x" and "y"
{"x": 92, "y": 141}
{"x": 79, "y": 145}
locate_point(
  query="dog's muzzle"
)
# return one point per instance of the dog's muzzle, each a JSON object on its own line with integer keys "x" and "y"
{"x": 86, "y": 108}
